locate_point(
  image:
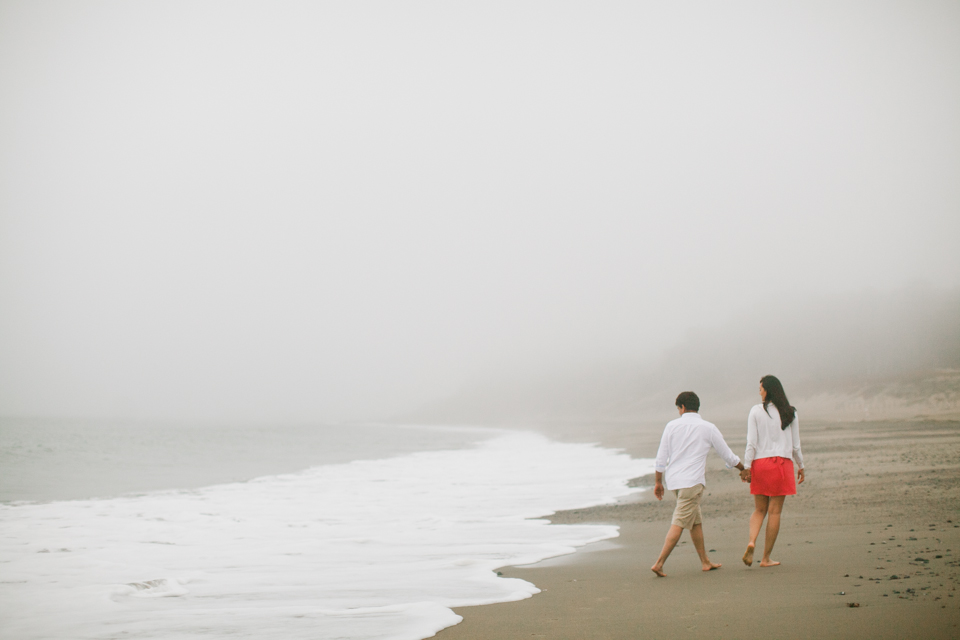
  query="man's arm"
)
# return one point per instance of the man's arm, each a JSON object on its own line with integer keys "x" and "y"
{"x": 732, "y": 459}
{"x": 663, "y": 458}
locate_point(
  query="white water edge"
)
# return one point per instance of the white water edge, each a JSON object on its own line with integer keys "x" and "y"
{"x": 367, "y": 549}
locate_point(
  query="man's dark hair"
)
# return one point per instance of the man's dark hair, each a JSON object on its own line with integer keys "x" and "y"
{"x": 689, "y": 401}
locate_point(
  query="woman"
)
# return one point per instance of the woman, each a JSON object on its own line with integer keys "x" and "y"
{"x": 773, "y": 438}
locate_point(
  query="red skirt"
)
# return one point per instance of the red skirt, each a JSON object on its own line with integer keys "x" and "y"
{"x": 772, "y": 477}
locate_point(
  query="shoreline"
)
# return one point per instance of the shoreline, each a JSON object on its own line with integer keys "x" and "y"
{"x": 63, "y": 460}
{"x": 878, "y": 519}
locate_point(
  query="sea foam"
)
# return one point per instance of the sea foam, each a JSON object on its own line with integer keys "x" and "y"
{"x": 368, "y": 549}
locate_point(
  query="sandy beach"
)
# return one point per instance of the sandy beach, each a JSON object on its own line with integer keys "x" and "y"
{"x": 876, "y": 525}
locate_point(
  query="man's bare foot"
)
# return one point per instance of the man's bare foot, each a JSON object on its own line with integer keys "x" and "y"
{"x": 748, "y": 556}
{"x": 659, "y": 571}
{"x": 710, "y": 566}
{"x": 768, "y": 563}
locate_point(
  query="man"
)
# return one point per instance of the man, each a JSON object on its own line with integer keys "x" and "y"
{"x": 681, "y": 466}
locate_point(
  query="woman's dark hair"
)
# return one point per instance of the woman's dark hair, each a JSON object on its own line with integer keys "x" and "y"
{"x": 778, "y": 397}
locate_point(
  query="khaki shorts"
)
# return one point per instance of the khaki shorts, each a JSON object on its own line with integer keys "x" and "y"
{"x": 687, "y": 513}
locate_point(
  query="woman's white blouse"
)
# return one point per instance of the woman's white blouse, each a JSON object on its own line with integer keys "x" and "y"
{"x": 765, "y": 438}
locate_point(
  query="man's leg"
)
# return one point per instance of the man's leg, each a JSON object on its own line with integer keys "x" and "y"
{"x": 673, "y": 536}
{"x": 773, "y": 528}
{"x": 696, "y": 532}
{"x": 761, "y": 504}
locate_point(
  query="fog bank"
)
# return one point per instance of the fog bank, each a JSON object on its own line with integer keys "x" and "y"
{"x": 858, "y": 356}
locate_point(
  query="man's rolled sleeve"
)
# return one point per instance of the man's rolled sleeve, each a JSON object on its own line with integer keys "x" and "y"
{"x": 663, "y": 455}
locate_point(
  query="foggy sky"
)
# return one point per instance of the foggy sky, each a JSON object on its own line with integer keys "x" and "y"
{"x": 237, "y": 211}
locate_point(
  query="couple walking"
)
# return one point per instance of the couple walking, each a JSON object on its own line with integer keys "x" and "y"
{"x": 773, "y": 444}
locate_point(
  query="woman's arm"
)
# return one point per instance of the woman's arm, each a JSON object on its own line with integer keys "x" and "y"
{"x": 751, "y": 451}
{"x": 795, "y": 434}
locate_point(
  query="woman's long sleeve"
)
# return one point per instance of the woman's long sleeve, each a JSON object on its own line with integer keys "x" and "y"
{"x": 795, "y": 433}
{"x": 751, "y": 452}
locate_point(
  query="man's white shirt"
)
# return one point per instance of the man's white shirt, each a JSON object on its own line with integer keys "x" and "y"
{"x": 682, "y": 456}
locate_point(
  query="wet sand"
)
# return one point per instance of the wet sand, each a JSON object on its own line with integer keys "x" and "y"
{"x": 877, "y": 523}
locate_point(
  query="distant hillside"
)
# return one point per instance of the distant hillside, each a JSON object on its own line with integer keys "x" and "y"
{"x": 847, "y": 357}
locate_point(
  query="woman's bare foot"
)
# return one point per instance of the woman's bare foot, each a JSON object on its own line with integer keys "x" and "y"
{"x": 659, "y": 571}
{"x": 710, "y": 566}
{"x": 748, "y": 556}
{"x": 768, "y": 563}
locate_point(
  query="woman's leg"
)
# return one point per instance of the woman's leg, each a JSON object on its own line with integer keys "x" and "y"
{"x": 756, "y": 521}
{"x": 773, "y": 528}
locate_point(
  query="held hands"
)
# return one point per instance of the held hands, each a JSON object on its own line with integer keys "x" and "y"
{"x": 800, "y": 476}
{"x": 658, "y": 491}
{"x": 745, "y": 475}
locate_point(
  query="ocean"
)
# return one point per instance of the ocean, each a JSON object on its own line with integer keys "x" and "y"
{"x": 367, "y": 531}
